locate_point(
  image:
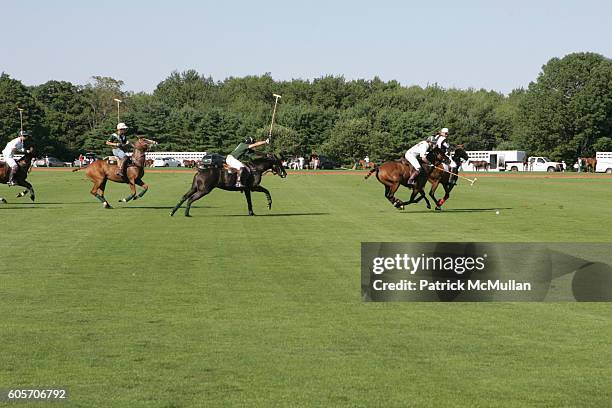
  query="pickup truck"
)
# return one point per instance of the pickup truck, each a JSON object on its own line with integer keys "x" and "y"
{"x": 535, "y": 163}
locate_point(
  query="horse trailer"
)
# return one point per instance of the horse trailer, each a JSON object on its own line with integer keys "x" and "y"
{"x": 604, "y": 162}
{"x": 496, "y": 159}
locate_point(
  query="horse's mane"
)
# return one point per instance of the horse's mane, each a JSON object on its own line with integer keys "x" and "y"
{"x": 265, "y": 159}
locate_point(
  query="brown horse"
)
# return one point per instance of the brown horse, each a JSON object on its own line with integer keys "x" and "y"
{"x": 438, "y": 176}
{"x": 589, "y": 163}
{"x": 479, "y": 164}
{"x": 365, "y": 166}
{"x": 22, "y": 174}
{"x": 101, "y": 171}
{"x": 393, "y": 174}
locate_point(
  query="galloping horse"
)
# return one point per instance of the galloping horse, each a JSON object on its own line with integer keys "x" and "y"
{"x": 393, "y": 174}
{"x": 209, "y": 178}
{"x": 22, "y": 174}
{"x": 479, "y": 164}
{"x": 439, "y": 176}
{"x": 101, "y": 171}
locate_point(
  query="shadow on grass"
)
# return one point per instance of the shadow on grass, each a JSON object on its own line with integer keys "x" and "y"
{"x": 127, "y": 207}
{"x": 457, "y": 210}
{"x": 271, "y": 215}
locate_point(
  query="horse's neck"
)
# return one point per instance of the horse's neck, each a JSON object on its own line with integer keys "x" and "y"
{"x": 138, "y": 158}
{"x": 262, "y": 166}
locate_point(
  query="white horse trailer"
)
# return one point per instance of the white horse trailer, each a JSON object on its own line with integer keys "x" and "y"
{"x": 496, "y": 158}
{"x": 604, "y": 162}
{"x": 180, "y": 156}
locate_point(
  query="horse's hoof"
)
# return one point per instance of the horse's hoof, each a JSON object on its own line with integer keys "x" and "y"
{"x": 108, "y": 206}
{"x": 123, "y": 200}
{"x": 187, "y": 215}
{"x": 32, "y": 198}
{"x": 438, "y": 209}
{"x": 3, "y": 201}
{"x": 251, "y": 213}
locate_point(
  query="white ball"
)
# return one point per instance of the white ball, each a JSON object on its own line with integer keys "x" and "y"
{"x": 497, "y": 212}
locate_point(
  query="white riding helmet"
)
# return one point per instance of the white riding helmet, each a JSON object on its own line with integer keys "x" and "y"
{"x": 444, "y": 130}
{"x": 121, "y": 126}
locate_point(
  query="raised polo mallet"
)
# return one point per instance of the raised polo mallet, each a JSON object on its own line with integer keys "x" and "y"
{"x": 277, "y": 96}
{"x": 21, "y": 118}
{"x": 118, "y": 102}
{"x": 455, "y": 174}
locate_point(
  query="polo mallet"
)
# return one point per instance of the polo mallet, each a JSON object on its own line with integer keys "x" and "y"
{"x": 277, "y": 97}
{"x": 455, "y": 174}
{"x": 118, "y": 102}
{"x": 21, "y": 118}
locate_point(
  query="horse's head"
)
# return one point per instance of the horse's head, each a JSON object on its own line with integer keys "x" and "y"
{"x": 142, "y": 143}
{"x": 438, "y": 156}
{"x": 277, "y": 165}
{"x": 459, "y": 155}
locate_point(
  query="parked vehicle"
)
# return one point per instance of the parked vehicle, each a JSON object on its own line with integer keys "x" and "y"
{"x": 166, "y": 162}
{"x": 327, "y": 163}
{"x": 535, "y": 163}
{"x": 604, "y": 162}
{"x": 49, "y": 162}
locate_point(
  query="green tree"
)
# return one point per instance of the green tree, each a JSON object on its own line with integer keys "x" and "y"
{"x": 568, "y": 107}
{"x": 13, "y": 95}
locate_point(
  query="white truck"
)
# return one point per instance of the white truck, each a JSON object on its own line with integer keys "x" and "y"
{"x": 535, "y": 163}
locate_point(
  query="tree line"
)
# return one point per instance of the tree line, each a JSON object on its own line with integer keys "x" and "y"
{"x": 566, "y": 112}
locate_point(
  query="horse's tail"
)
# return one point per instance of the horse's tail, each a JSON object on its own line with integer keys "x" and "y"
{"x": 81, "y": 168}
{"x": 374, "y": 170}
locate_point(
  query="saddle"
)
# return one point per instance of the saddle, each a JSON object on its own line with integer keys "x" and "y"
{"x": 112, "y": 160}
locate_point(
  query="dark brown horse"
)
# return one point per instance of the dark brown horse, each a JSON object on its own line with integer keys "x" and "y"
{"x": 393, "y": 174}
{"x": 438, "y": 176}
{"x": 209, "y": 178}
{"x": 101, "y": 171}
{"x": 24, "y": 164}
{"x": 480, "y": 164}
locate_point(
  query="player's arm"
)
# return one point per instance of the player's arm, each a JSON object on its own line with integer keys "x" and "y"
{"x": 257, "y": 144}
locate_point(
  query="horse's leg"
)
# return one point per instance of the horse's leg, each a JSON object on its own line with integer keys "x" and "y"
{"x": 2, "y": 200}
{"x": 145, "y": 188}
{"x": 247, "y": 195}
{"x": 196, "y": 196}
{"x": 131, "y": 196}
{"x": 267, "y": 193}
{"x": 390, "y": 195}
{"x": 188, "y": 194}
{"x": 432, "y": 191}
{"x": 100, "y": 196}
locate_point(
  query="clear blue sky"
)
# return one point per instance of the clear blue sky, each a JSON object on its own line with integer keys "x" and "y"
{"x": 499, "y": 45}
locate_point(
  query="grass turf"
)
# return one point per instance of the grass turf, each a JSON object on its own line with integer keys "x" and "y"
{"x": 131, "y": 308}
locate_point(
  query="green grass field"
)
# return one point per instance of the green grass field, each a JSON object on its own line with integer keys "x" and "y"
{"x": 132, "y": 308}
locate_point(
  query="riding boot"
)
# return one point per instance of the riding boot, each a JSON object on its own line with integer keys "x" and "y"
{"x": 415, "y": 173}
{"x": 239, "y": 178}
{"x": 11, "y": 182}
{"x": 121, "y": 167}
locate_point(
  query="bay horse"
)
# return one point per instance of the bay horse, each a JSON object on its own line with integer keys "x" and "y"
{"x": 438, "y": 176}
{"x": 396, "y": 173}
{"x": 24, "y": 163}
{"x": 479, "y": 164}
{"x": 209, "y": 178}
{"x": 589, "y": 163}
{"x": 100, "y": 171}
